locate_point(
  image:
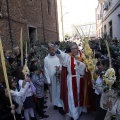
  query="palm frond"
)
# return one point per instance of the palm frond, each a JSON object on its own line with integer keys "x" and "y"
{"x": 89, "y": 32}
{"x": 108, "y": 50}
{"x": 78, "y": 32}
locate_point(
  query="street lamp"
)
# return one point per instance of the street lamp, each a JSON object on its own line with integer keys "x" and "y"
{"x": 63, "y": 25}
{"x": 62, "y": 15}
{"x": 65, "y": 14}
{"x": 9, "y": 23}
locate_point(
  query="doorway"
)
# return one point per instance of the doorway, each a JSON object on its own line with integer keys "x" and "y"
{"x": 32, "y": 35}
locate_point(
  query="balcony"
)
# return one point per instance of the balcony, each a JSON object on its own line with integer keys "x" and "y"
{"x": 101, "y": 1}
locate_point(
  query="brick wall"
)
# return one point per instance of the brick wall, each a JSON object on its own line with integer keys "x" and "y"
{"x": 24, "y": 13}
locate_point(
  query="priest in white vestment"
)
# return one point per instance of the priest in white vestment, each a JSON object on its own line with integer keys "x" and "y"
{"x": 76, "y": 72}
{"x": 51, "y": 61}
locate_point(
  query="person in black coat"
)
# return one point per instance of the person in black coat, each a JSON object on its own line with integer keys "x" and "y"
{"x": 6, "y": 110}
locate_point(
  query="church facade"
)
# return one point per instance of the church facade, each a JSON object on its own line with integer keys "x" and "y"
{"x": 37, "y": 18}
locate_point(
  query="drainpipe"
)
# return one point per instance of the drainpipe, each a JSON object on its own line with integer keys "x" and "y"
{"x": 9, "y": 24}
{"x": 43, "y": 22}
{"x": 56, "y": 17}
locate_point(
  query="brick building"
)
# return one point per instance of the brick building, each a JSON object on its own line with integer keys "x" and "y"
{"x": 37, "y": 18}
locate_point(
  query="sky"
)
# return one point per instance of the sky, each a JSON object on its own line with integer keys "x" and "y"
{"x": 78, "y": 11}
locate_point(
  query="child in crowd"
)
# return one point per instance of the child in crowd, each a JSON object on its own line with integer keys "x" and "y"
{"x": 38, "y": 81}
{"x": 101, "y": 66}
{"x": 28, "y": 99}
{"x": 17, "y": 95}
{"x": 98, "y": 84}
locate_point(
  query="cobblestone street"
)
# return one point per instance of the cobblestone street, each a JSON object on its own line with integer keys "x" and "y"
{"x": 55, "y": 115}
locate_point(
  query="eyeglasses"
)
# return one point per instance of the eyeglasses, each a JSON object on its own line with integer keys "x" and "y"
{"x": 74, "y": 48}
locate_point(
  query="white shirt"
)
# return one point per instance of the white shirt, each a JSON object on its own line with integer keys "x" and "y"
{"x": 98, "y": 86}
{"x": 17, "y": 97}
{"x": 28, "y": 92}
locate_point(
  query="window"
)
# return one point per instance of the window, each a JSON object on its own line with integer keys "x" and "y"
{"x": 93, "y": 26}
{"x": 105, "y": 6}
{"x": 49, "y": 7}
{"x": 98, "y": 16}
{"x": 101, "y": 32}
{"x": 118, "y": 15}
{"x": 119, "y": 18}
{"x": 105, "y": 29}
{"x": 32, "y": 35}
{"x": 110, "y": 2}
{"x": 0, "y": 8}
{"x": 110, "y": 29}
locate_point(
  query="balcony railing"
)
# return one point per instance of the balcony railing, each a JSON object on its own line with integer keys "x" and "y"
{"x": 101, "y": 1}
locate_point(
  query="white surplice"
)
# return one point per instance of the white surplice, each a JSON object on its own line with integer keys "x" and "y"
{"x": 65, "y": 60}
{"x": 50, "y": 62}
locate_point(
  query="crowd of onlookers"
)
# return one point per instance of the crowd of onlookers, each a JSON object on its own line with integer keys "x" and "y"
{"x": 107, "y": 102}
{"x": 25, "y": 106}
{"x": 28, "y": 93}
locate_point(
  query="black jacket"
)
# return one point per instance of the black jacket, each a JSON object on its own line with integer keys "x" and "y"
{"x": 5, "y": 110}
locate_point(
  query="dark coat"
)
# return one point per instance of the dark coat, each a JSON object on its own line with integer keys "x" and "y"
{"x": 5, "y": 110}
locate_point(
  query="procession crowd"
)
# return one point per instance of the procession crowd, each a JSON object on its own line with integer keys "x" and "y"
{"x": 64, "y": 74}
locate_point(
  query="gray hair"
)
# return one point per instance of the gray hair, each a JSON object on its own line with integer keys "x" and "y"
{"x": 73, "y": 44}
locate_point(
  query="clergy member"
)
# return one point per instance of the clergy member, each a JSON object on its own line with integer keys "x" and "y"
{"x": 51, "y": 63}
{"x": 74, "y": 84}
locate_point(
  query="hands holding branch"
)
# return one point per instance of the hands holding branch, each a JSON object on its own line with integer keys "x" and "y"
{"x": 13, "y": 109}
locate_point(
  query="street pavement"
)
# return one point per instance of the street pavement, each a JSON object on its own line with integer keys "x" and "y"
{"x": 55, "y": 115}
